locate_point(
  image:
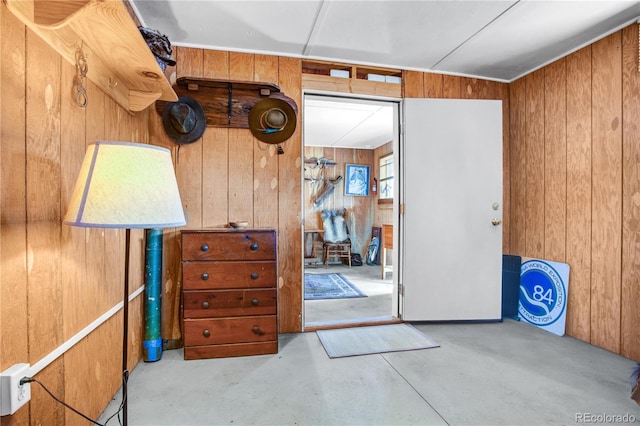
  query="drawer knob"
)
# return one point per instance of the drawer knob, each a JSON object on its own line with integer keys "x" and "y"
{"x": 257, "y": 330}
{"x": 205, "y": 305}
{"x": 255, "y": 302}
{"x": 254, "y": 246}
{"x": 204, "y": 247}
{"x": 205, "y": 276}
{"x": 206, "y": 333}
{"x": 254, "y": 276}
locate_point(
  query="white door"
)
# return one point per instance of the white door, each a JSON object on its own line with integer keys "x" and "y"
{"x": 451, "y": 192}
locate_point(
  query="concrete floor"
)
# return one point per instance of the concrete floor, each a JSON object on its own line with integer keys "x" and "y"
{"x": 376, "y": 306}
{"x": 507, "y": 373}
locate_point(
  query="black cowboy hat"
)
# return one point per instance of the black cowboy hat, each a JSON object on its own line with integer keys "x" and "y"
{"x": 273, "y": 119}
{"x": 184, "y": 121}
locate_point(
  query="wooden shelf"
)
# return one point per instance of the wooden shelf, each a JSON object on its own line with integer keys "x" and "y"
{"x": 119, "y": 60}
{"x": 316, "y": 75}
{"x": 355, "y": 71}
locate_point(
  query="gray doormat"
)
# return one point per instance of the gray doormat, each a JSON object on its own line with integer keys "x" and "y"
{"x": 373, "y": 340}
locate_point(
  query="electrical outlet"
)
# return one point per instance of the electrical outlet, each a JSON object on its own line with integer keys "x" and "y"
{"x": 13, "y": 394}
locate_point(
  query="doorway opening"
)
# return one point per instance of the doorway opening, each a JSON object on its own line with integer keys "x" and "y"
{"x": 344, "y": 140}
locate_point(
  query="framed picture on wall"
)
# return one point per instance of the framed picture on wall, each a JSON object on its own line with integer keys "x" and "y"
{"x": 357, "y": 183}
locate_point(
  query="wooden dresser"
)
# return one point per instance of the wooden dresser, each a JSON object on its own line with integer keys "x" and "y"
{"x": 229, "y": 289}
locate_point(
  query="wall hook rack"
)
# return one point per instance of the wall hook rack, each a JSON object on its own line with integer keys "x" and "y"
{"x": 226, "y": 103}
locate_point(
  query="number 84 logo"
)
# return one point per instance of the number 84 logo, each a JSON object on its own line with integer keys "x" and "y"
{"x": 542, "y": 293}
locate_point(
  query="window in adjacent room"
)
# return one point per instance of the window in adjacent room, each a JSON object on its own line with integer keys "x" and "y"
{"x": 385, "y": 184}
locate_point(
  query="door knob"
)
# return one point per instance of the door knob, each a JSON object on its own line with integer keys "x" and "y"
{"x": 496, "y": 222}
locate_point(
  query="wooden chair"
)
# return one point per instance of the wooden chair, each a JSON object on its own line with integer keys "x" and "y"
{"x": 336, "y": 236}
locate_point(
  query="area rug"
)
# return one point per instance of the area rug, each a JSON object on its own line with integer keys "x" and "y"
{"x": 373, "y": 340}
{"x": 329, "y": 286}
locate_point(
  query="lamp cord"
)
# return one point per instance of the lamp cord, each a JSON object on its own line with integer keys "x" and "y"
{"x": 34, "y": 380}
{"x": 125, "y": 371}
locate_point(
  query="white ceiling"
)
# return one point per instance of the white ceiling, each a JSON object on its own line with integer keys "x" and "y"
{"x": 347, "y": 123}
{"x": 499, "y": 40}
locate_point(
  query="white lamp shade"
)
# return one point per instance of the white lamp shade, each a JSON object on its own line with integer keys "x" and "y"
{"x": 126, "y": 185}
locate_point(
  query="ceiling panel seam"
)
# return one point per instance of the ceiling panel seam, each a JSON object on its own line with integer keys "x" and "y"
{"x": 320, "y": 14}
{"x": 475, "y": 34}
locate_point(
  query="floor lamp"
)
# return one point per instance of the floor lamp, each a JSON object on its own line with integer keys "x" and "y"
{"x": 125, "y": 185}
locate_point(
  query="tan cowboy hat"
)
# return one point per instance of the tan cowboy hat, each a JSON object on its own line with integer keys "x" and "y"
{"x": 184, "y": 121}
{"x": 273, "y": 119}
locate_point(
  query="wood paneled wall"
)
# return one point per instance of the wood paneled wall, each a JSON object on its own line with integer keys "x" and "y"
{"x": 382, "y": 213}
{"x": 229, "y": 175}
{"x": 360, "y": 209}
{"x": 575, "y": 150}
{"x": 571, "y": 185}
{"x": 56, "y": 279}
{"x": 554, "y": 153}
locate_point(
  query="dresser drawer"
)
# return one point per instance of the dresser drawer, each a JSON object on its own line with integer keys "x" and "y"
{"x": 216, "y": 331}
{"x": 231, "y": 349}
{"x": 215, "y": 275}
{"x": 227, "y": 303}
{"x": 231, "y": 245}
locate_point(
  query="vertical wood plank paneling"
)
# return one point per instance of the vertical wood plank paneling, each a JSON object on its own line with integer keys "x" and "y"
{"x": 290, "y": 208}
{"x": 241, "y": 175}
{"x": 189, "y": 156}
{"x": 474, "y": 88}
{"x": 517, "y": 166}
{"x": 43, "y": 216}
{"x": 215, "y": 153}
{"x": 13, "y": 252}
{"x": 266, "y": 69}
{"x": 106, "y": 372}
{"x": 341, "y": 157}
{"x": 341, "y": 200}
{"x": 75, "y": 290}
{"x": 336, "y": 199}
{"x": 606, "y": 191}
{"x": 433, "y": 85}
{"x": 383, "y": 213}
{"x": 555, "y": 161}
{"x": 630, "y": 291}
{"x": 311, "y": 187}
{"x": 451, "y": 87}
{"x": 412, "y": 84}
{"x": 265, "y": 159}
{"x": 578, "y": 238}
{"x": 13, "y": 231}
{"x": 241, "y": 67}
{"x": 535, "y": 165}
{"x": 43, "y": 189}
{"x": 502, "y": 93}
